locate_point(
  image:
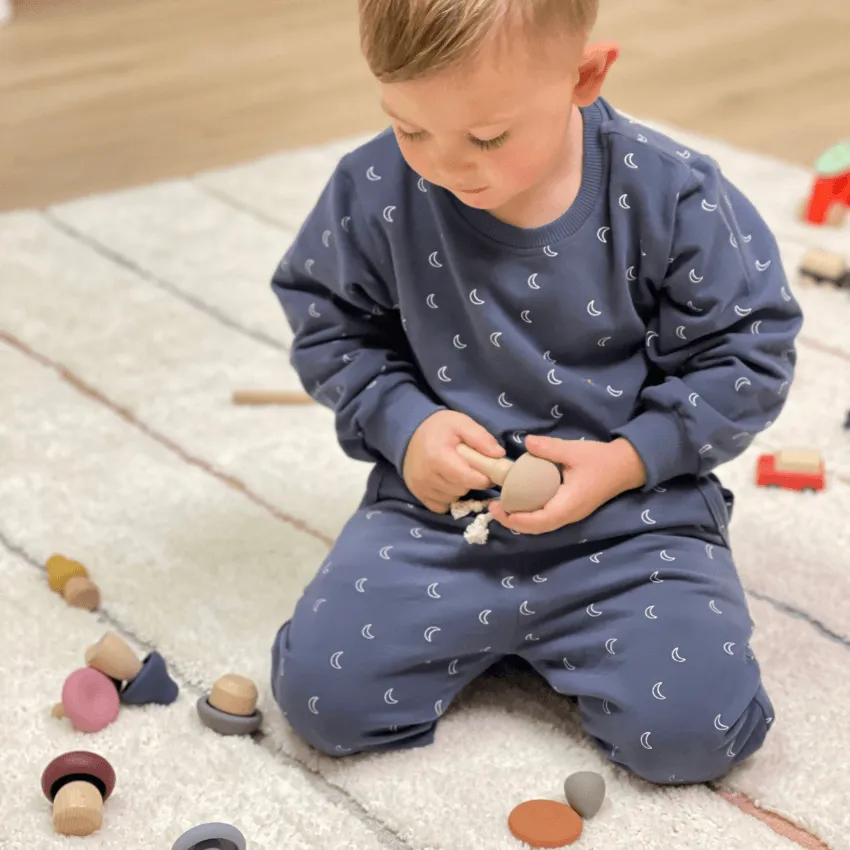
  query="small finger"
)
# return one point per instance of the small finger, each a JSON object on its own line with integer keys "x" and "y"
{"x": 458, "y": 472}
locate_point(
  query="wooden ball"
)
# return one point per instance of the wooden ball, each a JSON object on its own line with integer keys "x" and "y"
{"x": 81, "y": 592}
{"x": 114, "y": 657}
{"x": 60, "y": 569}
{"x": 58, "y": 711}
{"x": 234, "y": 694}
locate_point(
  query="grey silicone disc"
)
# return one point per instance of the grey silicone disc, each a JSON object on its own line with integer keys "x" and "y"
{"x": 227, "y": 724}
{"x": 211, "y": 836}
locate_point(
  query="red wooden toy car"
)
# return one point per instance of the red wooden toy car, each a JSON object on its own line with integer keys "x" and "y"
{"x": 792, "y": 469}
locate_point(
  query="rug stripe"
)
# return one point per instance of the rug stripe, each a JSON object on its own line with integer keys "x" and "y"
{"x": 128, "y": 416}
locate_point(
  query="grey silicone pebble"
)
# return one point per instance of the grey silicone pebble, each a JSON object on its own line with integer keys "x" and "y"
{"x": 227, "y": 724}
{"x": 211, "y": 836}
{"x": 585, "y": 792}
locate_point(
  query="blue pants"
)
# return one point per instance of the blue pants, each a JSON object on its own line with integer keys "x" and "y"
{"x": 649, "y": 631}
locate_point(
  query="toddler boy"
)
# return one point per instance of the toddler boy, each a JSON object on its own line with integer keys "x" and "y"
{"x": 516, "y": 266}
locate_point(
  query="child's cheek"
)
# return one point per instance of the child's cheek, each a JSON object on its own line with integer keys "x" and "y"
{"x": 517, "y": 165}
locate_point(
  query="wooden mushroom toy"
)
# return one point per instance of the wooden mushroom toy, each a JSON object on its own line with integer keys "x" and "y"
{"x": 222, "y": 836}
{"x": 71, "y": 580}
{"x": 78, "y": 783}
{"x": 89, "y": 700}
{"x": 138, "y": 682}
{"x": 152, "y": 685}
{"x": 113, "y": 657}
{"x": 527, "y": 483}
{"x": 231, "y": 707}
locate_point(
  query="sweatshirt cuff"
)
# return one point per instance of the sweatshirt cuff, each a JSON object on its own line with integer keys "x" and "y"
{"x": 401, "y": 412}
{"x": 661, "y": 443}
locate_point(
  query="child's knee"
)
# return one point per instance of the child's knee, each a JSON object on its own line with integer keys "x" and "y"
{"x": 689, "y": 747}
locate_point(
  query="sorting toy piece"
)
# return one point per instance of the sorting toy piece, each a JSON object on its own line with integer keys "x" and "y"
{"x": 211, "y": 836}
{"x": 71, "y": 580}
{"x": 271, "y": 397}
{"x": 792, "y": 469}
{"x": 527, "y": 483}
{"x": 545, "y": 823}
{"x": 152, "y": 685}
{"x": 114, "y": 657}
{"x": 89, "y": 700}
{"x": 78, "y": 783}
{"x": 231, "y": 707}
{"x": 820, "y": 267}
{"x": 829, "y": 198}
{"x": 585, "y": 792}
{"x": 114, "y": 674}
{"x": 139, "y": 682}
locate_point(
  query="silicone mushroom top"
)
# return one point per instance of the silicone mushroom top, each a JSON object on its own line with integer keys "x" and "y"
{"x": 75, "y": 766}
{"x": 220, "y": 835}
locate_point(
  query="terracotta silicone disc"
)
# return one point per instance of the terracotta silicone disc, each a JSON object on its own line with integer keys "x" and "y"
{"x": 545, "y": 823}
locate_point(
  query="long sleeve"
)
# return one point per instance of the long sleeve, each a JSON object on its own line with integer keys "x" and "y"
{"x": 723, "y": 338}
{"x": 349, "y": 348}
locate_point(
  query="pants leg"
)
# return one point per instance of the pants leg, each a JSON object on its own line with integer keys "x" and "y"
{"x": 652, "y": 635}
{"x": 403, "y": 614}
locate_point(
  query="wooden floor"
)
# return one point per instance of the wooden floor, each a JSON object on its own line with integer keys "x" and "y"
{"x": 101, "y": 94}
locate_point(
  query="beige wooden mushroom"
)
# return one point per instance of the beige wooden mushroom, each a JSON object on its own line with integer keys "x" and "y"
{"x": 114, "y": 657}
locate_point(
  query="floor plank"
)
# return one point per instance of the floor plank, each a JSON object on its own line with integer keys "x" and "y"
{"x": 97, "y": 95}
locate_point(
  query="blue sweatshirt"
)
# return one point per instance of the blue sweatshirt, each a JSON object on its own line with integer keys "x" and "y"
{"x": 656, "y": 308}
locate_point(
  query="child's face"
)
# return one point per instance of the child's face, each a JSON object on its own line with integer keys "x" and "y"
{"x": 497, "y": 129}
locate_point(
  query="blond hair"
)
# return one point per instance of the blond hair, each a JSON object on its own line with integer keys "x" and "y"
{"x": 402, "y": 40}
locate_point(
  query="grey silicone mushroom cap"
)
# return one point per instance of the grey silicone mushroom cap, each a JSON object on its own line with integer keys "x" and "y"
{"x": 221, "y": 836}
{"x": 227, "y": 724}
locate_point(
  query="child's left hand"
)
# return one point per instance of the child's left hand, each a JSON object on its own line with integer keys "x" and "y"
{"x": 594, "y": 473}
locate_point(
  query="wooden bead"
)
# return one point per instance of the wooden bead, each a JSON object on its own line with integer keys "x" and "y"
{"x": 81, "y": 592}
{"x": 234, "y": 694}
{"x": 77, "y": 809}
{"x": 60, "y": 569}
{"x": 58, "y": 711}
{"x": 114, "y": 657}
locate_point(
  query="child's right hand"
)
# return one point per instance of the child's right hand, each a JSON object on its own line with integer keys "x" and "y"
{"x": 434, "y": 471}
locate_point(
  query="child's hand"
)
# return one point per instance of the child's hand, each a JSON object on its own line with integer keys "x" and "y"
{"x": 594, "y": 473}
{"x": 434, "y": 470}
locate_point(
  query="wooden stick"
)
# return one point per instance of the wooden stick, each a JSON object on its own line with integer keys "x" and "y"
{"x": 495, "y": 468}
{"x": 271, "y": 397}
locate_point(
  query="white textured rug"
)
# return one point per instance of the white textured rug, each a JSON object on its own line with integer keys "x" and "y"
{"x": 126, "y": 320}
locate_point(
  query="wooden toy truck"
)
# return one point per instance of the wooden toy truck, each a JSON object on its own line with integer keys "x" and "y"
{"x": 792, "y": 469}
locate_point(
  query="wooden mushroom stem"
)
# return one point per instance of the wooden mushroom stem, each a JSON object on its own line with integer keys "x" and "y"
{"x": 234, "y": 694}
{"x": 78, "y": 806}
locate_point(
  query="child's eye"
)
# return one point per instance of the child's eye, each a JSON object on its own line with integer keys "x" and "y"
{"x": 413, "y": 137}
{"x": 489, "y": 144}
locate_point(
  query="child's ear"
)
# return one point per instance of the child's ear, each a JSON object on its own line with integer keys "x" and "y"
{"x": 595, "y": 64}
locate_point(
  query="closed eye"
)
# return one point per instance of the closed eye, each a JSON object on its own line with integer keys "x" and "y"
{"x": 490, "y": 144}
{"x": 484, "y": 144}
